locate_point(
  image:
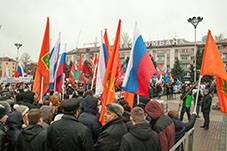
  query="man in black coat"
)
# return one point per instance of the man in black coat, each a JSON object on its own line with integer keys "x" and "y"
{"x": 205, "y": 105}
{"x": 89, "y": 118}
{"x": 180, "y": 127}
{"x": 4, "y": 140}
{"x": 112, "y": 132}
{"x": 140, "y": 136}
{"x": 68, "y": 133}
{"x": 32, "y": 137}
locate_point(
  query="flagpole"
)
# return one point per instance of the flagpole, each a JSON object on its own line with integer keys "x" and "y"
{"x": 197, "y": 96}
{"x": 63, "y": 81}
{"x": 41, "y": 94}
{"x": 93, "y": 79}
{"x": 138, "y": 99}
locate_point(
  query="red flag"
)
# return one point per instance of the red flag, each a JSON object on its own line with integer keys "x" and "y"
{"x": 108, "y": 95}
{"x": 118, "y": 79}
{"x": 80, "y": 64}
{"x": 213, "y": 65}
{"x": 71, "y": 74}
{"x": 43, "y": 64}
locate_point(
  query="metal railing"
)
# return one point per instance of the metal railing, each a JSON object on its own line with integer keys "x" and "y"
{"x": 187, "y": 141}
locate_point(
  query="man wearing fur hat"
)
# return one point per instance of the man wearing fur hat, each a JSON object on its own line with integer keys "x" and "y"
{"x": 3, "y": 129}
{"x": 68, "y": 133}
{"x": 112, "y": 132}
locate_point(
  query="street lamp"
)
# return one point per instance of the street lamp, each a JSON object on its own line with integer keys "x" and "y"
{"x": 18, "y": 45}
{"x": 195, "y": 21}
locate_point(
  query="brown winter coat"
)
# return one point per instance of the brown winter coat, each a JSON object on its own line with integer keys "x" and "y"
{"x": 162, "y": 124}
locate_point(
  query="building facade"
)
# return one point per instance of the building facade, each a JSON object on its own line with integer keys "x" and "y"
{"x": 163, "y": 51}
{"x": 6, "y": 62}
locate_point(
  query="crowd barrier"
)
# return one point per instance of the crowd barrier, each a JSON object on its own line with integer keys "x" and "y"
{"x": 187, "y": 141}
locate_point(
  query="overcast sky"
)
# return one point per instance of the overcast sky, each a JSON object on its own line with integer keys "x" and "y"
{"x": 80, "y": 21}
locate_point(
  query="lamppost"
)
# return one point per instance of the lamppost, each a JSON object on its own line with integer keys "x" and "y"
{"x": 195, "y": 21}
{"x": 18, "y": 45}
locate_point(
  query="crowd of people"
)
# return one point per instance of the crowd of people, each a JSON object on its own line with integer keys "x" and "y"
{"x": 71, "y": 121}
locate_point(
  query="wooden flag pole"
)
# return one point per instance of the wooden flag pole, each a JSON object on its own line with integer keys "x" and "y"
{"x": 197, "y": 96}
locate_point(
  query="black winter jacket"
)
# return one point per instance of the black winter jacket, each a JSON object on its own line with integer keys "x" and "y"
{"x": 206, "y": 103}
{"x": 32, "y": 138}
{"x": 14, "y": 123}
{"x": 89, "y": 118}
{"x": 110, "y": 136}
{"x": 181, "y": 128}
{"x": 140, "y": 138}
{"x": 68, "y": 134}
{"x": 4, "y": 141}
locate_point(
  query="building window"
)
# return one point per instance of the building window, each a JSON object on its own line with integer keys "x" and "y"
{"x": 192, "y": 49}
{"x": 176, "y": 50}
{"x": 13, "y": 63}
{"x": 168, "y": 58}
{"x": 184, "y": 50}
{"x": 6, "y": 62}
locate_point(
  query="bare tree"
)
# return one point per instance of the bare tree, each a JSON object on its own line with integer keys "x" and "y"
{"x": 125, "y": 40}
{"x": 25, "y": 60}
{"x": 219, "y": 37}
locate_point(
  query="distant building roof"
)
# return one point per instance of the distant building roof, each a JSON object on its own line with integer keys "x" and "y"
{"x": 7, "y": 59}
{"x": 151, "y": 44}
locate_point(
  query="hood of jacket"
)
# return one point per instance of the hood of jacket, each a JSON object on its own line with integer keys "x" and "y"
{"x": 28, "y": 97}
{"x": 90, "y": 105}
{"x": 154, "y": 109}
{"x": 141, "y": 131}
{"x": 31, "y": 132}
{"x": 15, "y": 120}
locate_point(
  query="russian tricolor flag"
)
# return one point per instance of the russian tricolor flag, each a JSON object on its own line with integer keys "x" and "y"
{"x": 140, "y": 67}
{"x": 60, "y": 71}
{"x": 54, "y": 54}
{"x": 102, "y": 64}
{"x": 19, "y": 71}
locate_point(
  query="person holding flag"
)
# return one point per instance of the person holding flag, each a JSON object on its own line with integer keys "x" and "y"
{"x": 213, "y": 65}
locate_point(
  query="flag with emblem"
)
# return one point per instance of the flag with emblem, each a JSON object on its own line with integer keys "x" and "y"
{"x": 213, "y": 65}
{"x": 108, "y": 95}
{"x": 43, "y": 65}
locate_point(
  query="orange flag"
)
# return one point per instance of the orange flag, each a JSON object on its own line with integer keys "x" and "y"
{"x": 129, "y": 97}
{"x": 107, "y": 43}
{"x": 213, "y": 65}
{"x": 43, "y": 65}
{"x": 108, "y": 95}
